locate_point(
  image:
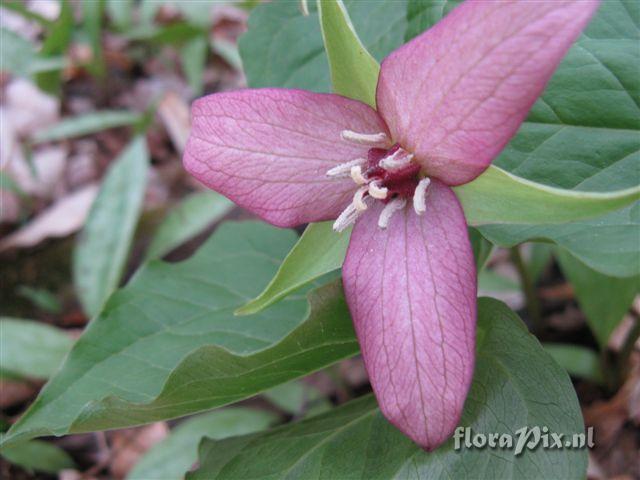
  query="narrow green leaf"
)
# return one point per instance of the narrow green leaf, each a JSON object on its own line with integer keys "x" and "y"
{"x": 16, "y": 53}
{"x": 56, "y": 42}
{"x": 578, "y": 361}
{"x": 497, "y": 196}
{"x": 31, "y": 349}
{"x": 40, "y": 456}
{"x": 603, "y": 299}
{"x": 490, "y": 281}
{"x": 173, "y": 456}
{"x": 92, "y": 15}
{"x": 40, "y": 298}
{"x": 187, "y": 219}
{"x": 194, "y": 58}
{"x": 319, "y": 251}
{"x": 168, "y": 344}
{"x": 86, "y": 124}
{"x": 354, "y": 72}
{"x": 354, "y": 441}
{"x": 120, "y": 12}
{"x": 297, "y": 398}
{"x": 103, "y": 245}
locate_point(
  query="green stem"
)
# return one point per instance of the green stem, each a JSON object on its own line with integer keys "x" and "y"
{"x": 528, "y": 288}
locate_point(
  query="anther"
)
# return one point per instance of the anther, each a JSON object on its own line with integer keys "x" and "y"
{"x": 390, "y": 208}
{"x": 344, "y": 169}
{"x": 372, "y": 139}
{"x": 346, "y": 218}
{"x": 396, "y": 160}
{"x": 376, "y": 191}
{"x": 419, "y": 196}
{"x": 358, "y": 199}
{"x": 356, "y": 175}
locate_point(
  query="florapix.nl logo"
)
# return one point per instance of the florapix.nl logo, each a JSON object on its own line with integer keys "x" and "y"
{"x": 525, "y": 438}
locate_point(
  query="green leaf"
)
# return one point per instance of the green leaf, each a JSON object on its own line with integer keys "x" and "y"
{"x": 40, "y": 298}
{"x": 497, "y": 196}
{"x": 354, "y": 72}
{"x": 191, "y": 216}
{"x": 92, "y": 14}
{"x": 355, "y": 441}
{"x": 490, "y": 281}
{"x": 56, "y": 42}
{"x": 283, "y": 48}
{"x": 603, "y": 299}
{"x": 319, "y": 251}
{"x": 194, "y": 58}
{"x": 120, "y": 12}
{"x": 168, "y": 344}
{"x": 103, "y": 245}
{"x": 582, "y": 134}
{"x": 172, "y": 457}
{"x": 297, "y": 398}
{"x": 86, "y": 124}
{"x": 578, "y": 361}
{"x": 31, "y": 349}
{"x": 40, "y": 456}
{"x": 16, "y": 53}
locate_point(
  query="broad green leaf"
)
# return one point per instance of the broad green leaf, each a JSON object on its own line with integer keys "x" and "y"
{"x": 173, "y": 456}
{"x": 497, "y": 196}
{"x": 194, "y": 58}
{"x": 354, "y": 441}
{"x": 86, "y": 124}
{"x": 16, "y": 53}
{"x": 603, "y": 299}
{"x": 101, "y": 252}
{"x": 191, "y": 216}
{"x": 39, "y": 455}
{"x": 31, "y": 349}
{"x": 354, "y": 72}
{"x": 283, "y": 48}
{"x": 169, "y": 345}
{"x": 539, "y": 259}
{"x": 577, "y": 360}
{"x": 319, "y": 251}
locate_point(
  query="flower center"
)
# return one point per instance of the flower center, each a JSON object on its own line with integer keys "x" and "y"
{"x": 389, "y": 175}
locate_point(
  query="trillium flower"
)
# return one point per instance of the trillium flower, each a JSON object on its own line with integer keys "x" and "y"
{"x": 447, "y": 104}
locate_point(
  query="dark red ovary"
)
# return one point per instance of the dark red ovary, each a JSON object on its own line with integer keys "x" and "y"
{"x": 400, "y": 183}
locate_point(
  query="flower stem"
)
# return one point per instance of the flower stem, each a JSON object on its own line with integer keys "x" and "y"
{"x": 528, "y": 288}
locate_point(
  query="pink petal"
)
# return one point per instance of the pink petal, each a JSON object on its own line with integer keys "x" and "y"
{"x": 411, "y": 290}
{"x": 269, "y": 150}
{"x": 456, "y": 94}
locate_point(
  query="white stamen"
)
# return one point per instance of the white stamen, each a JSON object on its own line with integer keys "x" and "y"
{"x": 346, "y": 218}
{"x": 356, "y": 174}
{"x": 344, "y": 169}
{"x": 358, "y": 199}
{"x": 377, "y": 191}
{"x": 365, "y": 138}
{"x": 387, "y": 212}
{"x": 419, "y": 196}
{"x": 396, "y": 160}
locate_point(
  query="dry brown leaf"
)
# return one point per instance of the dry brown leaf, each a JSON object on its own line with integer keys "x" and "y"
{"x": 174, "y": 114}
{"x": 129, "y": 445}
{"x": 63, "y": 218}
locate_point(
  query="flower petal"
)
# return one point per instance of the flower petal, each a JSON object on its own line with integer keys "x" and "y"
{"x": 411, "y": 289}
{"x": 456, "y": 94}
{"x": 269, "y": 150}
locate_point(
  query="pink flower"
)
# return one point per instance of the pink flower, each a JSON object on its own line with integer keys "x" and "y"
{"x": 448, "y": 102}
